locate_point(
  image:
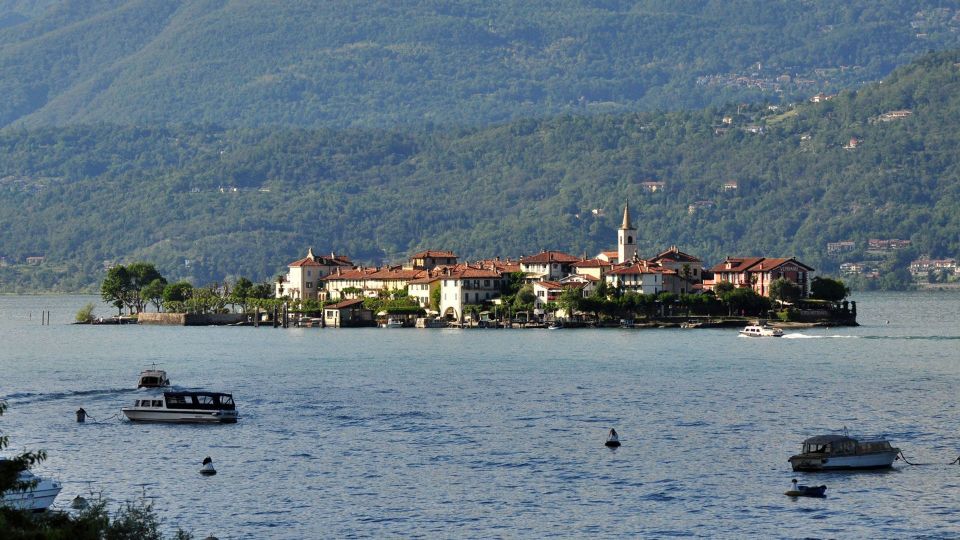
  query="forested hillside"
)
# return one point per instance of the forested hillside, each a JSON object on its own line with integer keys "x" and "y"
{"x": 370, "y": 63}
{"x": 206, "y": 203}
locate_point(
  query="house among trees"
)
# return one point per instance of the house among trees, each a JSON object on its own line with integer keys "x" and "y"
{"x": 925, "y": 265}
{"x": 885, "y": 245}
{"x": 841, "y": 247}
{"x": 653, "y": 186}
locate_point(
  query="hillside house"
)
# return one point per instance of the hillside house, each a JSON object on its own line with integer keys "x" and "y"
{"x": 304, "y": 278}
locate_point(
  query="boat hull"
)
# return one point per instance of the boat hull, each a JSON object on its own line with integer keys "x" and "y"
{"x": 37, "y": 499}
{"x": 810, "y": 463}
{"x": 180, "y": 416}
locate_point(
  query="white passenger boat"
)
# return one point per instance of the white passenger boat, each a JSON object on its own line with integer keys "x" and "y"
{"x": 153, "y": 378}
{"x": 761, "y": 330}
{"x": 838, "y": 452}
{"x": 185, "y": 407}
{"x": 37, "y": 498}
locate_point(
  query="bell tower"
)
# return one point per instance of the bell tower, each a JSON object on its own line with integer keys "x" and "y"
{"x": 626, "y": 238}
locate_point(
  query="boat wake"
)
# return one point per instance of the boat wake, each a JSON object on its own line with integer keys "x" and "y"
{"x": 37, "y": 397}
{"x": 800, "y": 335}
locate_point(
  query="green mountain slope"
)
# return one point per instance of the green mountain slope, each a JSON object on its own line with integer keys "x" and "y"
{"x": 369, "y": 63}
{"x": 207, "y": 203}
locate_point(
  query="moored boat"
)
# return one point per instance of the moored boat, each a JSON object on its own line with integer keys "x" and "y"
{"x": 35, "y": 498}
{"x": 153, "y": 378}
{"x": 185, "y": 407}
{"x": 761, "y": 330}
{"x": 839, "y": 452}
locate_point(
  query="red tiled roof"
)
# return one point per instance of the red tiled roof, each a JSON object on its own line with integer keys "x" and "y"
{"x": 395, "y": 273}
{"x": 434, "y": 253}
{"x": 640, "y": 268}
{"x": 675, "y": 254}
{"x": 306, "y": 261}
{"x": 592, "y": 263}
{"x": 345, "y": 303}
{"x": 755, "y": 264}
{"x": 548, "y": 257}
{"x": 737, "y": 264}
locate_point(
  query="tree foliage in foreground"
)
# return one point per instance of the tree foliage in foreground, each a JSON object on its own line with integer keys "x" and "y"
{"x": 133, "y": 521}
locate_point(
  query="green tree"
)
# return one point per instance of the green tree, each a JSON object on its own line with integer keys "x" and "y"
{"x": 177, "y": 292}
{"x": 153, "y": 292}
{"x": 141, "y": 274}
{"x": 833, "y": 290}
{"x": 116, "y": 287}
{"x": 241, "y": 294}
{"x": 784, "y": 290}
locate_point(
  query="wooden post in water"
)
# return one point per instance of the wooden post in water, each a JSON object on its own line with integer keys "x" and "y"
{"x": 256, "y": 317}
{"x": 275, "y": 315}
{"x": 286, "y": 317}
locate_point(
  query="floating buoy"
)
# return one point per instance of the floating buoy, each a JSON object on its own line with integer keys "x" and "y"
{"x": 81, "y": 415}
{"x": 613, "y": 440}
{"x": 207, "y": 468}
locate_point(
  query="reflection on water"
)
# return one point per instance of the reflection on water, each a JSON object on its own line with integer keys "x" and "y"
{"x": 500, "y": 433}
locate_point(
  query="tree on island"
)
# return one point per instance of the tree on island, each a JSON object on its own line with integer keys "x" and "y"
{"x": 784, "y": 290}
{"x": 832, "y": 290}
{"x": 124, "y": 285}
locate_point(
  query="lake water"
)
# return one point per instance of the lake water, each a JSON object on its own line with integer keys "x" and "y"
{"x": 499, "y": 433}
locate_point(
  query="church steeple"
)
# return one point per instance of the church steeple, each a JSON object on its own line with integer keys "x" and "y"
{"x": 626, "y": 218}
{"x": 626, "y": 238}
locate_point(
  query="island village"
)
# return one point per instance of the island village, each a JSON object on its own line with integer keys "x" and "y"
{"x": 449, "y": 291}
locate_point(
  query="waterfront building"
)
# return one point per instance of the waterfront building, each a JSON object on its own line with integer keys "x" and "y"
{"x": 304, "y": 279}
{"x": 348, "y": 313}
{"x": 687, "y": 270}
{"x": 759, "y": 272}
{"x": 640, "y": 277}
{"x": 547, "y": 265}
{"x": 467, "y": 285}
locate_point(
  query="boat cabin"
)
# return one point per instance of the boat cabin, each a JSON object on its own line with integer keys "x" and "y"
{"x": 158, "y": 403}
{"x": 199, "y": 400}
{"x": 843, "y": 445}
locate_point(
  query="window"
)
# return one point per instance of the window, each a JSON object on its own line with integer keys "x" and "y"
{"x": 309, "y": 273}
{"x": 309, "y": 284}
{"x": 486, "y": 283}
{"x": 629, "y": 239}
{"x": 157, "y": 403}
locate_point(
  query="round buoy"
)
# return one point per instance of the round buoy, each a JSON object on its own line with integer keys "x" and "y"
{"x": 207, "y": 468}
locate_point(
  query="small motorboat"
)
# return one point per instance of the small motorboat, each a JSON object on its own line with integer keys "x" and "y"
{"x": 37, "y": 498}
{"x": 761, "y": 330}
{"x": 153, "y": 378}
{"x": 839, "y": 452}
{"x": 393, "y": 323}
{"x": 185, "y": 407}
{"x": 806, "y": 491}
{"x": 555, "y": 325}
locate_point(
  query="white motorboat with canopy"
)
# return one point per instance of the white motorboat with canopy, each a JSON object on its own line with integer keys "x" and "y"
{"x": 185, "y": 407}
{"x": 838, "y": 452}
